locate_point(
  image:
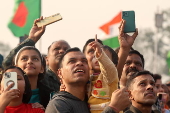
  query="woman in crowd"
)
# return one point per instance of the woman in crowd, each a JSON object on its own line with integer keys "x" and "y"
{"x": 16, "y": 100}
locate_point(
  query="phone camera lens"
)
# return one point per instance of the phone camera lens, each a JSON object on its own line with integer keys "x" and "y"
{"x": 7, "y": 75}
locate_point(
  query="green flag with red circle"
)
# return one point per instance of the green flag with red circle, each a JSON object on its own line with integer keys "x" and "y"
{"x": 25, "y": 12}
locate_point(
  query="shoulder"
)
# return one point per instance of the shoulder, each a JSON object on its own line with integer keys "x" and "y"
{"x": 58, "y": 104}
{"x": 59, "y": 100}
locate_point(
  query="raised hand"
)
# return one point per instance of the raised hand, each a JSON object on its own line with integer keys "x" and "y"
{"x": 36, "y": 32}
{"x": 96, "y": 46}
{"x": 125, "y": 40}
{"x": 38, "y": 105}
{"x": 120, "y": 96}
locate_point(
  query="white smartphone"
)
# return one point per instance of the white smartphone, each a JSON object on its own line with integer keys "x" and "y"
{"x": 9, "y": 78}
{"x": 49, "y": 20}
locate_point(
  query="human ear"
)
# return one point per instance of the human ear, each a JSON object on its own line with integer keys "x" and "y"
{"x": 60, "y": 73}
{"x": 130, "y": 96}
{"x": 46, "y": 59}
{"x": 42, "y": 69}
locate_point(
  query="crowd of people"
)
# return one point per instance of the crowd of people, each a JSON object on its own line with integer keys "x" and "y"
{"x": 98, "y": 79}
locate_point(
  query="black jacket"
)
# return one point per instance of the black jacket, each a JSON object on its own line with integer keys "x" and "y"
{"x": 64, "y": 102}
{"x": 135, "y": 110}
{"x": 51, "y": 80}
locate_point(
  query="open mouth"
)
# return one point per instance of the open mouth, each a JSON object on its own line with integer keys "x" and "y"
{"x": 79, "y": 71}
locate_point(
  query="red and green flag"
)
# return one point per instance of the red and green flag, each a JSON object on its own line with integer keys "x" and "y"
{"x": 25, "y": 12}
{"x": 111, "y": 31}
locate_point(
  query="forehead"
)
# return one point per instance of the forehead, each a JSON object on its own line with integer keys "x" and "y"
{"x": 29, "y": 52}
{"x": 143, "y": 77}
{"x": 134, "y": 57}
{"x": 60, "y": 44}
{"x": 158, "y": 81}
{"x": 75, "y": 54}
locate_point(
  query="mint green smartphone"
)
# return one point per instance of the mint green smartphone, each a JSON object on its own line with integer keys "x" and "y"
{"x": 129, "y": 16}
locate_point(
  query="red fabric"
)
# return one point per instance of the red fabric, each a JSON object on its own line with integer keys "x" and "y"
{"x": 23, "y": 108}
{"x": 20, "y": 17}
{"x": 115, "y": 20}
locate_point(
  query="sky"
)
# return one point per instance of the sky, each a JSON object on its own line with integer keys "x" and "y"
{"x": 81, "y": 19}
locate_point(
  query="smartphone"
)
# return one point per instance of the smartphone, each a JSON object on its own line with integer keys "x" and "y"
{"x": 9, "y": 78}
{"x": 129, "y": 16}
{"x": 49, "y": 20}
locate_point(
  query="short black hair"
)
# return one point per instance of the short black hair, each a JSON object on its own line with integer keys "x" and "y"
{"x": 140, "y": 55}
{"x": 75, "y": 49}
{"x": 136, "y": 74}
{"x": 157, "y": 77}
{"x": 27, "y": 94}
{"x": 113, "y": 53}
{"x": 90, "y": 40}
{"x": 118, "y": 48}
{"x": 49, "y": 47}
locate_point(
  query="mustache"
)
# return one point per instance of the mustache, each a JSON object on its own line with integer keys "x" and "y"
{"x": 150, "y": 92}
{"x": 58, "y": 55}
{"x": 131, "y": 69}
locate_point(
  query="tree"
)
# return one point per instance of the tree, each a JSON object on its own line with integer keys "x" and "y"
{"x": 4, "y": 49}
{"x": 145, "y": 44}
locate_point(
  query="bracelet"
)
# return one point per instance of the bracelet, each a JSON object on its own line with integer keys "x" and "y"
{"x": 115, "y": 109}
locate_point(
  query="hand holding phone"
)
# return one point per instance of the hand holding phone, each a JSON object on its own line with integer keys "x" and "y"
{"x": 129, "y": 17}
{"x": 9, "y": 78}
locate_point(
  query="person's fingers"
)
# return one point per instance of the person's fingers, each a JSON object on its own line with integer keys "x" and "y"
{"x": 43, "y": 27}
{"x": 96, "y": 38}
{"x": 14, "y": 96}
{"x": 135, "y": 34}
{"x": 116, "y": 90}
{"x": 14, "y": 92}
{"x": 9, "y": 87}
{"x": 120, "y": 24}
{"x": 41, "y": 18}
{"x": 3, "y": 89}
{"x": 91, "y": 43}
{"x": 35, "y": 22}
{"x": 36, "y": 105}
{"x": 123, "y": 25}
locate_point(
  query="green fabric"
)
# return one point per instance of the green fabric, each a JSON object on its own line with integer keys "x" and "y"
{"x": 112, "y": 42}
{"x": 25, "y": 12}
{"x": 168, "y": 59}
{"x": 35, "y": 96}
